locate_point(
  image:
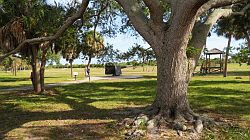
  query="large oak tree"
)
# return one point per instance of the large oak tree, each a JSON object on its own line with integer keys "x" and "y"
{"x": 169, "y": 39}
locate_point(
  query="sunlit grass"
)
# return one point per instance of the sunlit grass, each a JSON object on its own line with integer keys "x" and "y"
{"x": 8, "y": 80}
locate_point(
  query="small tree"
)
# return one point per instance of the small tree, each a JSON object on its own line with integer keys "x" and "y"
{"x": 7, "y": 63}
{"x": 242, "y": 55}
{"x": 70, "y": 46}
{"x": 92, "y": 45}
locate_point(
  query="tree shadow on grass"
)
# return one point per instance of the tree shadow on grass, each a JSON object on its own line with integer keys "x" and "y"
{"x": 238, "y": 73}
{"x": 220, "y": 100}
{"x": 18, "y": 79}
{"x": 79, "y": 98}
{"x": 102, "y": 101}
{"x": 13, "y": 79}
{"x": 6, "y": 87}
{"x": 216, "y": 82}
{"x": 150, "y": 76}
{"x": 229, "y": 73}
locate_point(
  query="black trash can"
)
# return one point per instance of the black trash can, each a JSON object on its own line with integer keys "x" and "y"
{"x": 110, "y": 68}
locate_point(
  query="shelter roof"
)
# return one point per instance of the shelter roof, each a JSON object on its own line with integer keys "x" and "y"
{"x": 214, "y": 51}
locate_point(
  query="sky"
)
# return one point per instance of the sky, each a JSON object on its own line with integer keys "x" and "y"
{"x": 124, "y": 41}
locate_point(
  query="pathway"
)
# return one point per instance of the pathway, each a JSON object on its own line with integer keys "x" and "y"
{"x": 94, "y": 78}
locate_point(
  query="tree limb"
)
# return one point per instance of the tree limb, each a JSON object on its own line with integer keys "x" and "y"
{"x": 103, "y": 7}
{"x": 216, "y": 4}
{"x": 60, "y": 31}
{"x": 156, "y": 10}
{"x": 199, "y": 37}
{"x": 201, "y": 30}
{"x": 137, "y": 17}
{"x": 242, "y": 12}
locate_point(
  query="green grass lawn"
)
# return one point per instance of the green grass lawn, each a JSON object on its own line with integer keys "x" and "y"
{"x": 91, "y": 110}
{"x": 7, "y": 80}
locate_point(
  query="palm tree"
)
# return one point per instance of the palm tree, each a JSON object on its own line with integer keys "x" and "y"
{"x": 70, "y": 53}
{"x": 70, "y": 46}
{"x": 227, "y": 29}
{"x": 11, "y": 34}
{"x": 92, "y": 45}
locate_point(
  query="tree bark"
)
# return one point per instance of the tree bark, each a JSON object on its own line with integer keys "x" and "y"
{"x": 226, "y": 57}
{"x": 171, "y": 99}
{"x": 172, "y": 66}
{"x": 42, "y": 69}
{"x": 35, "y": 70}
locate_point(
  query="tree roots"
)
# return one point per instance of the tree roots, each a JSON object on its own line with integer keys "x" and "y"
{"x": 155, "y": 123}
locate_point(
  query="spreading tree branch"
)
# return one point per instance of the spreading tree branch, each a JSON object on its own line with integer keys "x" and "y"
{"x": 243, "y": 11}
{"x": 59, "y": 33}
{"x": 156, "y": 10}
{"x": 98, "y": 15}
{"x": 201, "y": 30}
{"x": 138, "y": 18}
{"x": 216, "y": 4}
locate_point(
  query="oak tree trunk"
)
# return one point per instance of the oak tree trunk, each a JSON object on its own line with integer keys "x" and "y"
{"x": 42, "y": 69}
{"x": 192, "y": 63}
{"x": 172, "y": 69}
{"x": 171, "y": 99}
{"x": 169, "y": 43}
{"x": 35, "y": 70}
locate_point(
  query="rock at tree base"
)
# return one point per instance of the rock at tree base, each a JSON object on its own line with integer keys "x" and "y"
{"x": 151, "y": 124}
{"x": 179, "y": 126}
{"x": 198, "y": 126}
